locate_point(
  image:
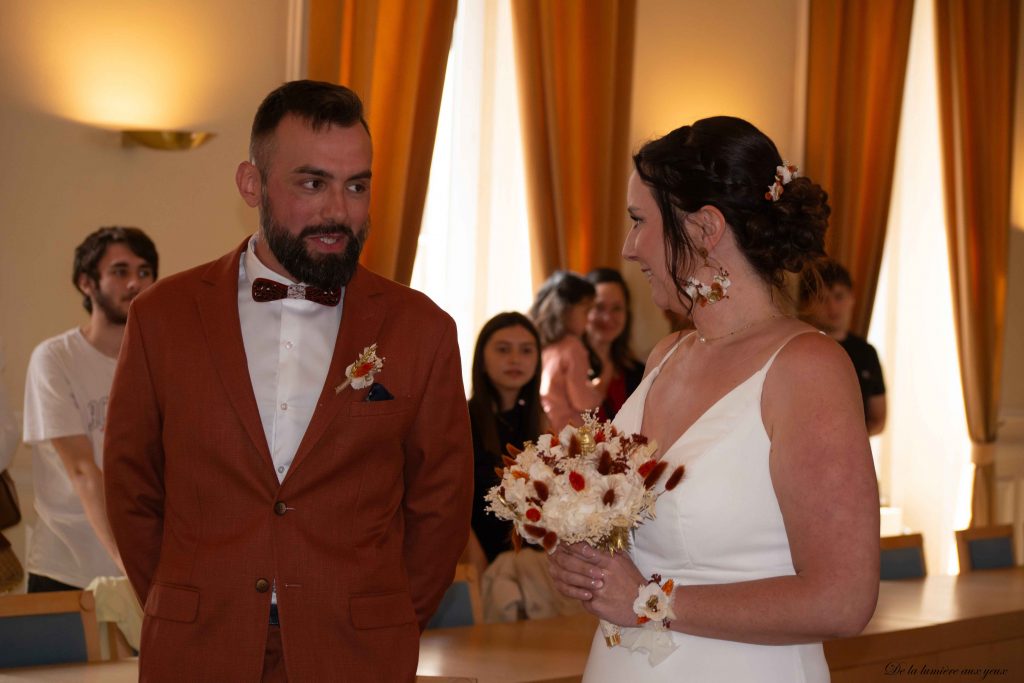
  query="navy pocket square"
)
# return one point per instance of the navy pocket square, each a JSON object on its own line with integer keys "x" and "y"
{"x": 378, "y": 393}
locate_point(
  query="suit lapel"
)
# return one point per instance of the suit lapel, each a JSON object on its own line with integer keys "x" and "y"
{"x": 361, "y": 320}
{"x": 218, "y": 310}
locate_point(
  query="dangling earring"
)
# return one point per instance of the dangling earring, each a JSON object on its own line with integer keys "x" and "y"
{"x": 708, "y": 294}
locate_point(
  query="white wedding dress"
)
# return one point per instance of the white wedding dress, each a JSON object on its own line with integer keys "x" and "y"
{"x": 722, "y": 524}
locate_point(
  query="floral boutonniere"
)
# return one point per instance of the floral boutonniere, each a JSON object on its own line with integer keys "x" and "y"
{"x": 360, "y": 374}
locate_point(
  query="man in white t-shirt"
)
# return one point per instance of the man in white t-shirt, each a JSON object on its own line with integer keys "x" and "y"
{"x": 66, "y": 391}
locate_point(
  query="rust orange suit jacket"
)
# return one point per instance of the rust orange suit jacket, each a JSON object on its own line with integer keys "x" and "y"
{"x": 376, "y": 505}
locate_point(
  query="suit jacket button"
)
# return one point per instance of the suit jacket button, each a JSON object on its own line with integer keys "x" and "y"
{"x": 262, "y": 585}
{"x": 280, "y": 508}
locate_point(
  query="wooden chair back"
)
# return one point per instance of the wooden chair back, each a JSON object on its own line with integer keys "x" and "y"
{"x": 474, "y": 554}
{"x": 461, "y": 604}
{"x": 902, "y": 557}
{"x": 48, "y": 628}
{"x": 985, "y": 547}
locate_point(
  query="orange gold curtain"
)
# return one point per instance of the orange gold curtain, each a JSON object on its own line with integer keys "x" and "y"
{"x": 857, "y": 63}
{"x": 575, "y": 62}
{"x": 977, "y": 56}
{"x": 393, "y": 53}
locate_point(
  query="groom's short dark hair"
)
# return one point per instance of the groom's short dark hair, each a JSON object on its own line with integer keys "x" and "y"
{"x": 318, "y": 103}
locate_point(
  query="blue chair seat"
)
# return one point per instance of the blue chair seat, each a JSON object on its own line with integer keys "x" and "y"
{"x": 991, "y": 553}
{"x": 902, "y": 557}
{"x": 456, "y": 608}
{"x": 985, "y": 547}
{"x": 460, "y": 605}
{"x": 48, "y": 628}
{"x": 42, "y": 639}
{"x": 902, "y": 563}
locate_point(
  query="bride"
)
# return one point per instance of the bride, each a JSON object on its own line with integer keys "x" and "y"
{"x": 770, "y": 543}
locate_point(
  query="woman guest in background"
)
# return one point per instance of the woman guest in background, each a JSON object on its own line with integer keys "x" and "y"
{"x": 609, "y": 327}
{"x": 560, "y": 313}
{"x": 771, "y": 538}
{"x": 504, "y": 408}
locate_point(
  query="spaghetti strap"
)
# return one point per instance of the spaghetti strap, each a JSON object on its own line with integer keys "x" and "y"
{"x": 668, "y": 354}
{"x": 771, "y": 359}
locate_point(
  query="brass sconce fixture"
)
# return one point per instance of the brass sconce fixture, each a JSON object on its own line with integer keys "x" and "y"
{"x": 165, "y": 139}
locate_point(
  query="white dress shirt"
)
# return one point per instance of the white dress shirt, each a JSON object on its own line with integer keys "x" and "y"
{"x": 288, "y": 345}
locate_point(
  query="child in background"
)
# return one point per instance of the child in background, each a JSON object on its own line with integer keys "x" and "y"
{"x": 560, "y": 314}
{"x": 504, "y": 408}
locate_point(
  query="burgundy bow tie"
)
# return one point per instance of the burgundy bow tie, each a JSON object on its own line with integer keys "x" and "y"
{"x": 269, "y": 290}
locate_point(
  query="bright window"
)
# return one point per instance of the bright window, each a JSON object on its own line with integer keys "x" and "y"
{"x": 473, "y": 256}
{"x": 924, "y": 463}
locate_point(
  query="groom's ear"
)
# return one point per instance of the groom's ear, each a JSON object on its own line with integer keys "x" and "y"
{"x": 250, "y": 183}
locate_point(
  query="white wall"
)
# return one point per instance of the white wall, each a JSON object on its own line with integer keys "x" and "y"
{"x": 73, "y": 71}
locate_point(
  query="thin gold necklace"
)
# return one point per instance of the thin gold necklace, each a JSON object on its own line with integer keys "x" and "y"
{"x": 708, "y": 340}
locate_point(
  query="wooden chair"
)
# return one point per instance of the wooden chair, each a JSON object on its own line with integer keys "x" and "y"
{"x": 48, "y": 628}
{"x": 113, "y": 645}
{"x": 461, "y": 604}
{"x": 474, "y": 554}
{"x": 985, "y": 547}
{"x": 902, "y": 557}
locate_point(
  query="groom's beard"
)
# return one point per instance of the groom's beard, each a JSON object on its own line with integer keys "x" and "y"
{"x": 326, "y": 271}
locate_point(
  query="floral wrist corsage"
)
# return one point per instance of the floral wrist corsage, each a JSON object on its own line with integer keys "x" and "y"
{"x": 654, "y": 603}
{"x": 654, "y": 615}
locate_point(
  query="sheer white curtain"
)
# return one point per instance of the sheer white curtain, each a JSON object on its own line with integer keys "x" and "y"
{"x": 473, "y": 255}
{"x": 925, "y": 468}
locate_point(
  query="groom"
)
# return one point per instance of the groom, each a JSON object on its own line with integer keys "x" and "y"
{"x": 279, "y": 519}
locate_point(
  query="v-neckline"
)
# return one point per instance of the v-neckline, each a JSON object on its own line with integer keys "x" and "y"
{"x": 657, "y": 373}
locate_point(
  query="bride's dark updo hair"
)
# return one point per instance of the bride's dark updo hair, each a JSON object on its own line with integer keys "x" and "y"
{"x": 728, "y": 163}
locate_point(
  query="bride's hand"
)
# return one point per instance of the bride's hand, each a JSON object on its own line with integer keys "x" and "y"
{"x": 573, "y": 572}
{"x": 606, "y": 584}
{"x": 620, "y": 582}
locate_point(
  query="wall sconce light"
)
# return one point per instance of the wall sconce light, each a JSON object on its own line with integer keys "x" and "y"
{"x": 165, "y": 139}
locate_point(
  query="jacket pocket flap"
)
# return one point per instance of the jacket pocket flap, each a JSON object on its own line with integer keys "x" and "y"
{"x": 379, "y": 611}
{"x": 174, "y": 603}
{"x": 375, "y": 408}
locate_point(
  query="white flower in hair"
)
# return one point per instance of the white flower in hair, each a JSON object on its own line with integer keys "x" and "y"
{"x": 786, "y": 173}
{"x": 783, "y": 176}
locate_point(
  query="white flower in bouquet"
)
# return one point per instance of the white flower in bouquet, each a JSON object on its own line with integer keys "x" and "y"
{"x": 589, "y": 484}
